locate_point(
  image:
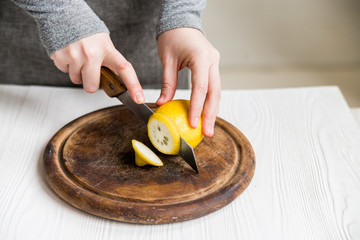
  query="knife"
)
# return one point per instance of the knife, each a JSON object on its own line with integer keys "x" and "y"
{"x": 113, "y": 86}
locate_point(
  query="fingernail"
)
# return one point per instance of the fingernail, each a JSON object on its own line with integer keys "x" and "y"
{"x": 210, "y": 130}
{"x": 140, "y": 97}
{"x": 195, "y": 122}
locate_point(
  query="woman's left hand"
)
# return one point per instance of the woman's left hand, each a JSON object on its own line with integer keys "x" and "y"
{"x": 188, "y": 47}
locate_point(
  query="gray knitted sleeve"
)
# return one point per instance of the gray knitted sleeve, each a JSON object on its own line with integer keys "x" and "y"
{"x": 62, "y": 22}
{"x": 180, "y": 13}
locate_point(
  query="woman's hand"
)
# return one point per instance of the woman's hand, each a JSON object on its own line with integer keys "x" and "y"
{"x": 84, "y": 58}
{"x": 188, "y": 47}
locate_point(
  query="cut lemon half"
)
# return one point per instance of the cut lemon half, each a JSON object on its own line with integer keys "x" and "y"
{"x": 163, "y": 134}
{"x": 144, "y": 155}
{"x": 169, "y": 123}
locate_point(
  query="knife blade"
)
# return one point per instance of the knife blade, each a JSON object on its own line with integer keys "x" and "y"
{"x": 113, "y": 86}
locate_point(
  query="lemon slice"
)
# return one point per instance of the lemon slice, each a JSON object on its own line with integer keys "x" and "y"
{"x": 169, "y": 123}
{"x": 163, "y": 134}
{"x": 144, "y": 155}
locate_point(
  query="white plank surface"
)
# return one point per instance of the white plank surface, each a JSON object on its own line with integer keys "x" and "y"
{"x": 356, "y": 113}
{"x": 306, "y": 183}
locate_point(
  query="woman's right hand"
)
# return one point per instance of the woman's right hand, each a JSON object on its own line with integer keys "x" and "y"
{"x": 84, "y": 58}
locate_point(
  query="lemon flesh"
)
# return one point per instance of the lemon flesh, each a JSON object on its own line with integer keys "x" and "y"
{"x": 163, "y": 134}
{"x": 144, "y": 155}
{"x": 169, "y": 123}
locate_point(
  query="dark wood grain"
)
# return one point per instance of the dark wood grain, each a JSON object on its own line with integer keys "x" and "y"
{"x": 90, "y": 164}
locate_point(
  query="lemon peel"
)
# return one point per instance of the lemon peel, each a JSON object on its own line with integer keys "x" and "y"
{"x": 172, "y": 119}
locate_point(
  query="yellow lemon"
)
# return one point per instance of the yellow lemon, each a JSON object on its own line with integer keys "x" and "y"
{"x": 144, "y": 155}
{"x": 169, "y": 123}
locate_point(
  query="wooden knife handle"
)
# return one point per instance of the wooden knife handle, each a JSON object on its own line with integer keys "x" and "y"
{"x": 111, "y": 83}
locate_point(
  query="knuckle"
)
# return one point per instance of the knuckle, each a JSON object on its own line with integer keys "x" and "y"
{"x": 108, "y": 50}
{"x": 202, "y": 55}
{"x": 166, "y": 85}
{"x": 90, "y": 53}
{"x": 73, "y": 55}
{"x": 202, "y": 88}
{"x": 205, "y": 52}
{"x": 124, "y": 65}
{"x": 207, "y": 55}
{"x": 216, "y": 55}
{"x": 210, "y": 115}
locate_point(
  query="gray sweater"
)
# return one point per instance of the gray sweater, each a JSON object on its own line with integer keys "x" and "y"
{"x": 134, "y": 26}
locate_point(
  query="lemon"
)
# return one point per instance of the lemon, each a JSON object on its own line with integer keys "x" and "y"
{"x": 144, "y": 155}
{"x": 163, "y": 134}
{"x": 169, "y": 123}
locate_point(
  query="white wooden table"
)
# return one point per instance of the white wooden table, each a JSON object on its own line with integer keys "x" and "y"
{"x": 306, "y": 183}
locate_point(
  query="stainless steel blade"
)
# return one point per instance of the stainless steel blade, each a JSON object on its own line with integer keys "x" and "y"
{"x": 187, "y": 153}
{"x": 144, "y": 112}
{"x": 140, "y": 110}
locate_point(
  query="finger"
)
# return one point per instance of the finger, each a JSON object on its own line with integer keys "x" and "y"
{"x": 170, "y": 77}
{"x": 211, "y": 105}
{"x": 75, "y": 73}
{"x": 116, "y": 62}
{"x": 90, "y": 73}
{"x": 69, "y": 60}
{"x": 199, "y": 81}
{"x": 61, "y": 66}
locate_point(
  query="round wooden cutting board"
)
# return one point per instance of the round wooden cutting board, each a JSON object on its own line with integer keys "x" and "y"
{"x": 90, "y": 164}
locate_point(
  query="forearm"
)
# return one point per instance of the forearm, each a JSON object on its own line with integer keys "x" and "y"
{"x": 176, "y": 14}
{"x": 62, "y": 22}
